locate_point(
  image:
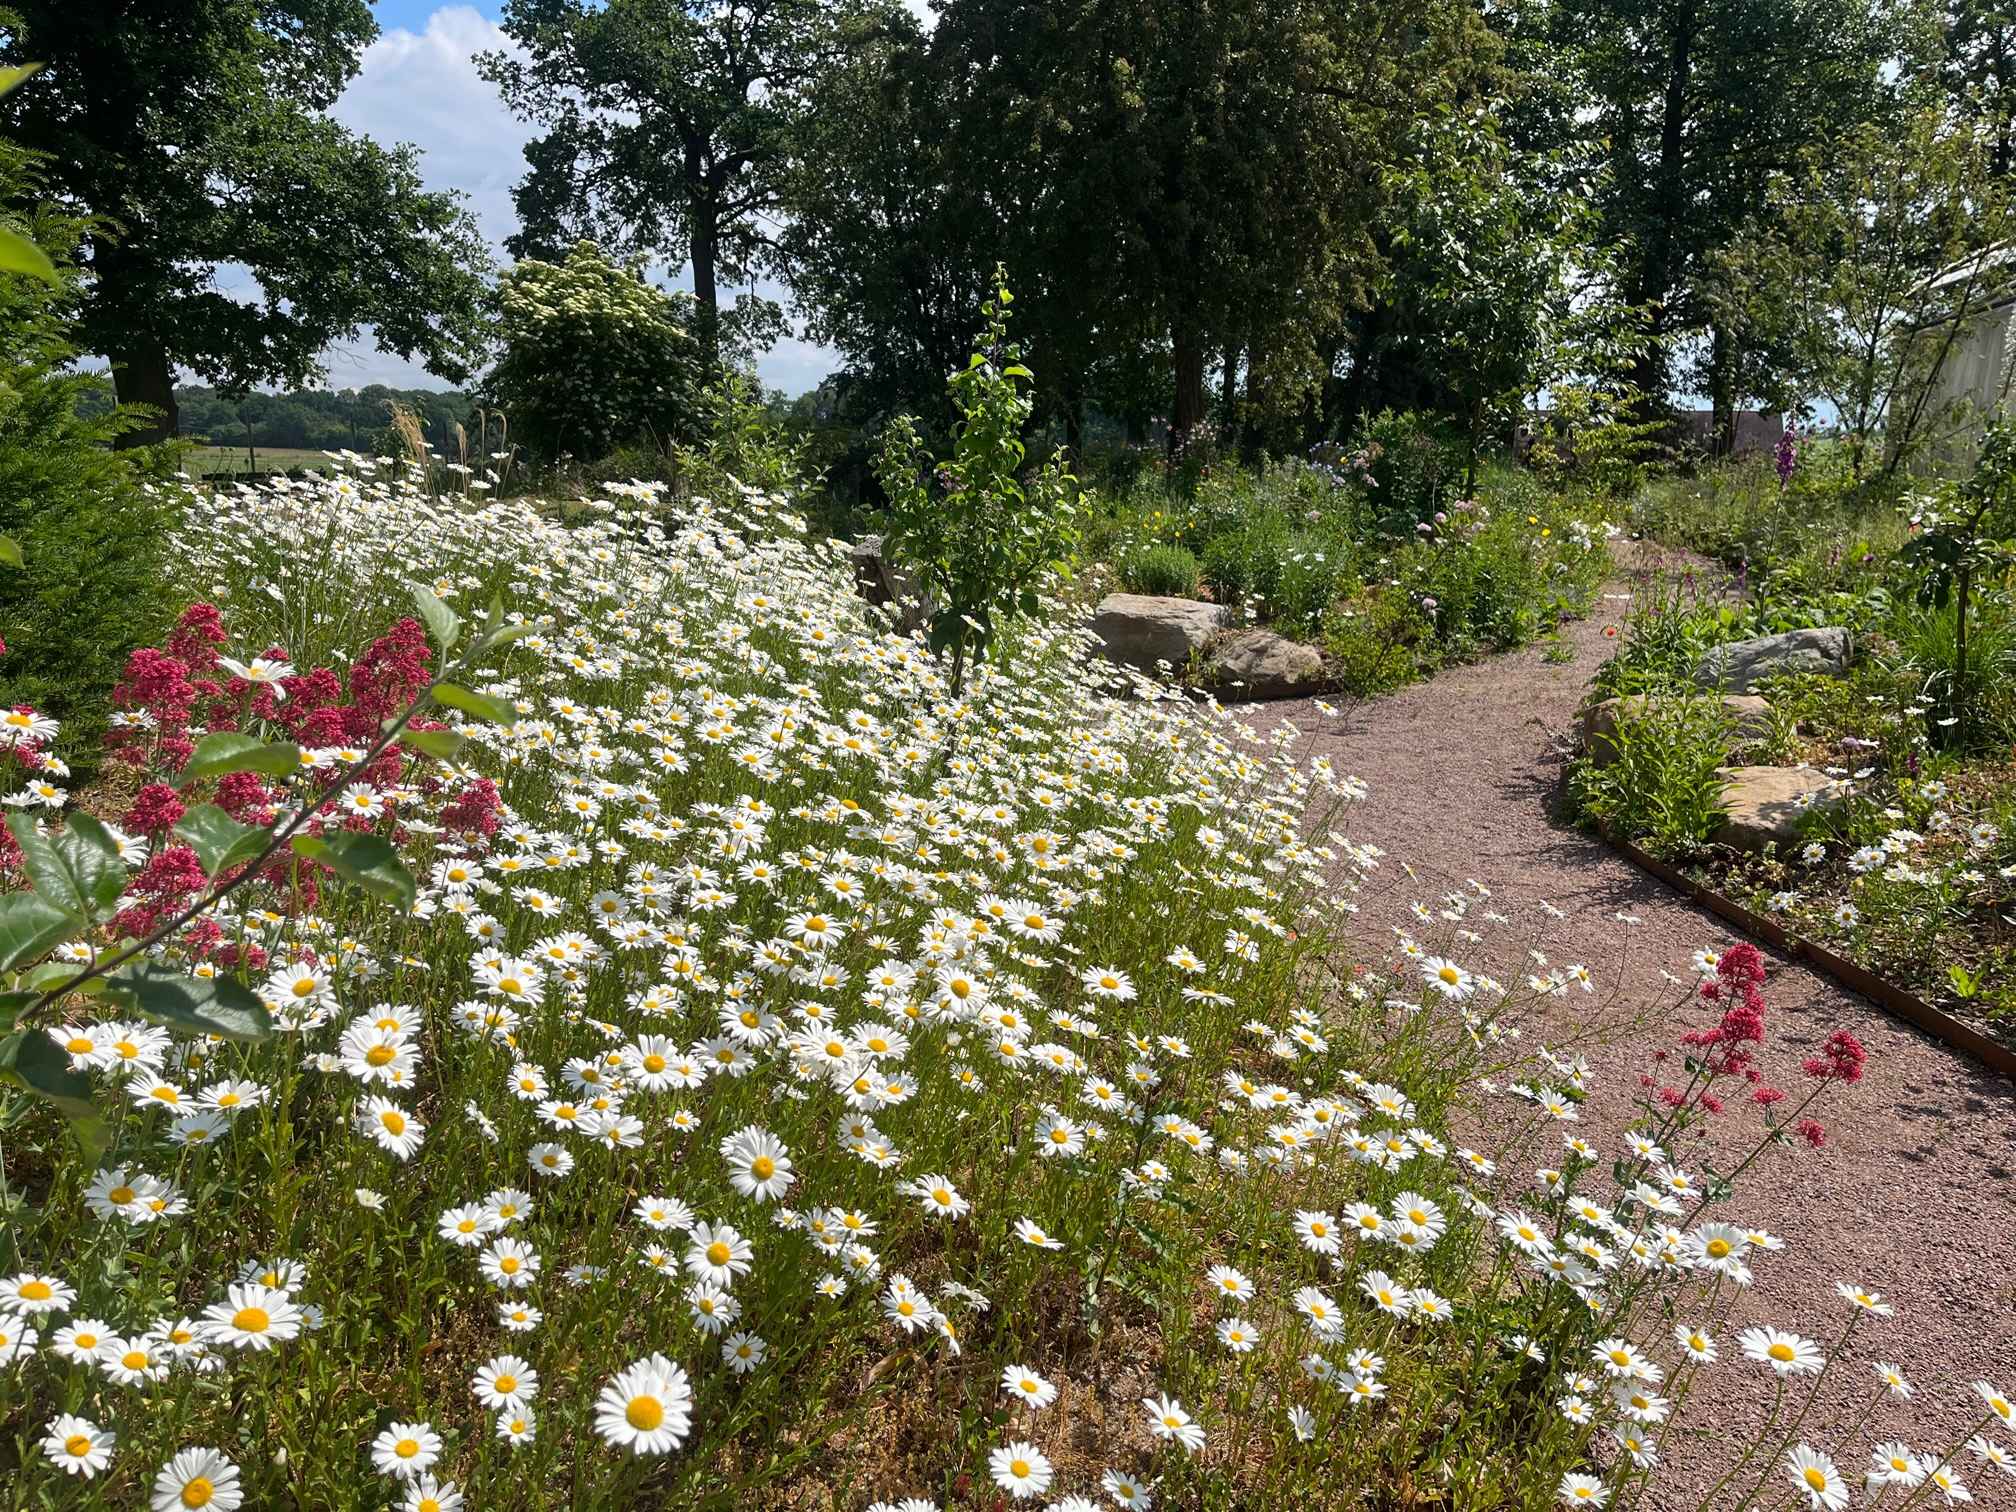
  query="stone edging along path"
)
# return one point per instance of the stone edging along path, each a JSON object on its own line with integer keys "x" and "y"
{"x": 1914, "y": 1192}
{"x": 1942, "y": 1026}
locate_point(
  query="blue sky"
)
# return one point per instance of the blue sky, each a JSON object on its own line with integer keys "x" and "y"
{"x": 416, "y": 84}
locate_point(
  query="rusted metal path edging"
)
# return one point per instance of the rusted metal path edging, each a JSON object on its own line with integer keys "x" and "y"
{"x": 1943, "y": 1027}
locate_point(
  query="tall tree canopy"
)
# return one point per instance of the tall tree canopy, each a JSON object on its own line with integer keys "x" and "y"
{"x": 1189, "y": 177}
{"x": 1978, "y": 69}
{"x": 193, "y": 135}
{"x": 669, "y": 124}
{"x": 1693, "y": 106}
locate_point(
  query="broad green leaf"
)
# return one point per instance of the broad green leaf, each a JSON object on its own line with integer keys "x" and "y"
{"x": 219, "y": 840}
{"x": 20, "y": 255}
{"x": 503, "y": 636}
{"x": 442, "y": 743}
{"x": 368, "y": 860}
{"x": 77, "y": 869}
{"x": 32, "y": 1061}
{"x": 208, "y": 1005}
{"x": 30, "y": 925}
{"x": 58, "y": 975}
{"x": 20, "y": 73}
{"x": 476, "y": 705}
{"x": 11, "y": 1004}
{"x": 10, "y": 552}
{"x": 225, "y": 752}
{"x": 443, "y": 623}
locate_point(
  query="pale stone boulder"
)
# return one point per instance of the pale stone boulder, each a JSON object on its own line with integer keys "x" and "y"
{"x": 1258, "y": 664}
{"x": 1767, "y": 805}
{"x": 1740, "y": 665}
{"x": 1138, "y": 630}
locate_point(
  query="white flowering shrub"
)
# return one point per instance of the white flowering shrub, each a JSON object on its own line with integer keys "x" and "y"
{"x": 783, "y": 1076}
{"x": 594, "y": 358}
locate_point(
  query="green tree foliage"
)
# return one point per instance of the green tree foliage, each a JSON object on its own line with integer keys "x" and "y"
{"x": 979, "y": 529}
{"x": 320, "y": 419}
{"x": 194, "y": 135}
{"x": 1490, "y": 289}
{"x": 1977, "y": 67}
{"x": 593, "y": 358}
{"x": 89, "y": 526}
{"x": 1691, "y": 105}
{"x": 1176, "y": 181}
{"x": 1879, "y": 252}
{"x": 668, "y": 127}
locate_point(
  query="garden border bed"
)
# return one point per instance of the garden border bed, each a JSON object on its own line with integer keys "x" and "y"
{"x": 1942, "y": 1026}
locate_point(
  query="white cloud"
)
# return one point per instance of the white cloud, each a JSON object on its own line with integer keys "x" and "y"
{"x": 424, "y": 88}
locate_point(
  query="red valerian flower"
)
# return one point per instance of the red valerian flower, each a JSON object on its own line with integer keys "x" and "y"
{"x": 156, "y": 808}
{"x": 1841, "y": 1058}
{"x": 1811, "y": 1130}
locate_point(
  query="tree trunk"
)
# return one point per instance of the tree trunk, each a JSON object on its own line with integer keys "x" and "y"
{"x": 1229, "y": 391}
{"x": 1722, "y": 393}
{"x": 1655, "y": 278}
{"x": 1188, "y": 411}
{"x": 706, "y": 242}
{"x": 142, "y": 374}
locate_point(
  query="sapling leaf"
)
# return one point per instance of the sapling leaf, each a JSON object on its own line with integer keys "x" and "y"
{"x": 367, "y": 860}
{"x": 207, "y": 1005}
{"x": 227, "y": 751}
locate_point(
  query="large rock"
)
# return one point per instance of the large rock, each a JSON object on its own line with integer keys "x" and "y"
{"x": 1137, "y": 630}
{"x": 1260, "y": 664}
{"x": 885, "y": 585}
{"x": 1765, "y": 805}
{"x": 1738, "y": 666}
{"x": 1749, "y": 719}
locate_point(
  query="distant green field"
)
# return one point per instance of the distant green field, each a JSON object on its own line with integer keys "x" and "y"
{"x": 223, "y": 461}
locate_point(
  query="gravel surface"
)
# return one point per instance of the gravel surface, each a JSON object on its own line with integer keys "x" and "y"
{"x": 1914, "y": 1192}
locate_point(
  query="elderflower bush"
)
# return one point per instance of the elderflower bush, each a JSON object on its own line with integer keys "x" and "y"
{"x": 792, "y": 1077}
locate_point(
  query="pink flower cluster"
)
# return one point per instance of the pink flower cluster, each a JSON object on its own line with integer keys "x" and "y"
{"x": 1730, "y": 1048}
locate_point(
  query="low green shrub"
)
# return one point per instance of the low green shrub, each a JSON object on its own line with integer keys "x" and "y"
{"x": 1169, "y": 571}
{"x": 1660, "y": 783}
{"x": 1315, "y": 571}
{"x": 1418, "y": 464}
{"x": 1247, "y": 564}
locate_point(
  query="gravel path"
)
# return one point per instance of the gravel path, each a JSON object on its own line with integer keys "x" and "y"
{"x": 1914, "y": 1193}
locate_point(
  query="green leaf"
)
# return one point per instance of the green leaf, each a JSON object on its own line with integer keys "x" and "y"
{"x": 219, "y": 840}
{"x": 441, "y": 743}
{"x": 35, "y": 1063}
{"x": 10, "y": 552}
{"x": 208, "y": 1005}
{"x": 476, "y": 705}
{"x": 443, "y": 623}
{"x": 20, "y": 255}
{"x": 226, "y": 752}
{"x": 19, "y": 74}
{"x": 503, "y": 637}
{"x": 11, "y": 1004}
{"x": 30, "y": 925}
{"x": 368, "y": 860}
{"x": 58, "y": 975}
{"x": 77, "y": 869}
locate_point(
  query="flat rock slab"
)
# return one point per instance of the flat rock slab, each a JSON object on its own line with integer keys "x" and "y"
{"x": 1258, "y": 664}
{"x": 1766, "y": 805}
{"x": 1749, "y": 719}
{"x": 1138, "y": 630}
{"x": 1740, "y": 665}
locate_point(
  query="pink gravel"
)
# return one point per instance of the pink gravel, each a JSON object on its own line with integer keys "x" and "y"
{"x": 1913, "y": 1194}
